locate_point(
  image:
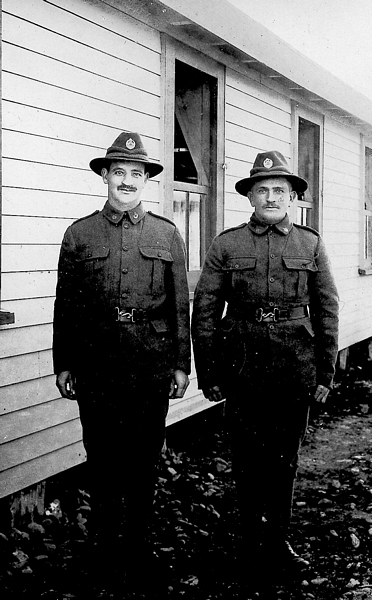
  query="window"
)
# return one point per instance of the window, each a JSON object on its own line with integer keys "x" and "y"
{"x": 366, "y": 254}
{"x": 194, "y": 150}
{"x": 308, "y": 129}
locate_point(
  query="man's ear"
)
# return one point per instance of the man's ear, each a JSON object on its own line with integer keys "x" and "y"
{"x": 147, "y": 177}
{"x": 249, "y": 196}
{"x": 292, "y": 195}
{"x": 104, "y": 174}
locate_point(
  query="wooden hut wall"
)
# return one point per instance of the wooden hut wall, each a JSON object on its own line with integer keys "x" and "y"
{"x": 74, "y": 75}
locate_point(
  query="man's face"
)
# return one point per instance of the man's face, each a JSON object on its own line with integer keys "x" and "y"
{"x": 271, "y": 199}
{"x": 125, "y": 180}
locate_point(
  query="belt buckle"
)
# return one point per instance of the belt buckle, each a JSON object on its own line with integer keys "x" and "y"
{"x": 267, "y": 317}
{"x": 125, "y": 316}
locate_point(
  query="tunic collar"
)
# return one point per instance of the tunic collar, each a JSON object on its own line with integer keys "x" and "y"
{"x": 115, "y": 216}
{"x": 258, "y": 227}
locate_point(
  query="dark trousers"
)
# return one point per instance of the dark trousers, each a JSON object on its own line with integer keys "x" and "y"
{"x": 123, "y": 434}
{"x": 267, "y": 428}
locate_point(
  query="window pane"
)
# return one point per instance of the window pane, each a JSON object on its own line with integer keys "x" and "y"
{"x": 180, "y": 212}
{"x": 368, "y": 178}
{"x": 308, "y": 157}
{"x": 194, "y": 232}
{"x": 368, "y": 238}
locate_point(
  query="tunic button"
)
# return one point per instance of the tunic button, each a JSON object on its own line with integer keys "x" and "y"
{"x": 160, "y": 254}
{"x": 271, "y": 327}
{"x": 272, "y": 255}
{"x": 271, "y": 279}
{"x": 271, "y": 303}
{"x": 125, "y": 271}
{"x": 126, "y": 225}
{"x": 114, "y": 217}
{"x": 125, "y": 295}
{"x": 135, "y": 215}
{"x": 236, "y": 266}
{"x": 125, "y": 248}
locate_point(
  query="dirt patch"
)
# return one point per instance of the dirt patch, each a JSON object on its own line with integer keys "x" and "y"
{"x": 196, "y": 534}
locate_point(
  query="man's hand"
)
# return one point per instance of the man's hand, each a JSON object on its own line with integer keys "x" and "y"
{"x": 179, "y": 384}
{"x": 214, "y": 394}
{"x": 66, "y": 385}
{"x": 321, "y": 394}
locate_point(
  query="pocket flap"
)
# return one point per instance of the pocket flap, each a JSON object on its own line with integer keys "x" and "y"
{"x": 159, "y": 253}
{"x": 160, "y": 325}
{"x": 239, "y": 263}
{"x": 300, "y": 263}
{"x": 95, "y": 253}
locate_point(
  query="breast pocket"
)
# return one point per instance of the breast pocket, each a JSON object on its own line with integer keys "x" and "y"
{"x": 241, "y": 270}
{"x": 92, "y": 260}
{"x": 154, "y": 266}
{"x": 298, "y": 270}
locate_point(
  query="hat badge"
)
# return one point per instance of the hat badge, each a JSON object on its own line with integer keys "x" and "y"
{"x": 268, "y": 163}
{"x": 130, "y": 144}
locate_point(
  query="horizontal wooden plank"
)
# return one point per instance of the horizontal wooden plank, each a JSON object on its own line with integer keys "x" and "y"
{"x": 336, "y": 188}
{"x": 250, "y": 103}
{"x": 188, "y": 407}
{"x": 338, "y": 137}
{"x": 30, "y": 420}
{"x": 29, "y": 257}
{"x": 44, "y": 203}
{"x": 18, "y": 396}
{"x": 17, "y": 369}
{"x": 242, "y": 123}
{"x": 25, "y": 340}
{"x": 33, "y": 471}
{"x": 258, "y": 90}
{"x": 255, "y": 142}
{"x": 19, "y": 286}
{"x": 34, "y": 311}
{"x": 98, "y": 137}
{"x": 342, "y": 178}
{"x": 17, "y": 88}
{"x": 61, "y": 179}
{"x": 342, "y": 154}
{"x": 54, "y": 72}
{"x": 34, "y": 230}
{"x": 337, "y": 165}
{"x": 67, "y": 24}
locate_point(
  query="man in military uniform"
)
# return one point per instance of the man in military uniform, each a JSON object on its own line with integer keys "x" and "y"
{"x": 272, "y": 353}
{"x": 122, "y": 344}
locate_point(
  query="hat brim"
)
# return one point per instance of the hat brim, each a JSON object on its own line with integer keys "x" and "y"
{"x": 97, "y": 164}
{"x": 243, "y": 186}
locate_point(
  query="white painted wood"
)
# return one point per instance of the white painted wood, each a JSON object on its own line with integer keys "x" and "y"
{"x": 34, "y": 230}
{"x": 29, "y": 257}
{"x": 26, "y": 474}
{"x": 35, "y": 311}
{"x": 28, "y": 119}
{"x": 60, "y": 179}
{"x": 54, "y": 99}
{"x": 85, "y": 32}
{"x": 22, "y": 395}
{"x": 257, "y": 143}
{"x": 258, "y": 90}
{"x": 27, "y": 421}
{"x": 260, "y": 107}
{"x": 17, "y": 369}
{"x": 246, "y": 122}
{"x": 25, "y": 340}
{"x": 59, "y": 74}
{"x": 18, "y": 286}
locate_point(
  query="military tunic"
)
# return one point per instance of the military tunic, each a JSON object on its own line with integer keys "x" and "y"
{"x": 121, "y": 327}
{"x": 265, "y": 327}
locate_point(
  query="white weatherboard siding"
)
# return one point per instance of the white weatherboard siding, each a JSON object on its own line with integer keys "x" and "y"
{"x": 257, "y": 119}
{"x": 75, "y": 74}
{"x": 341, "y": 218}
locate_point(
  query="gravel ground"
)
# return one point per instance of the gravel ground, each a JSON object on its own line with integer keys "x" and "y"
{"x": 196, "y": 531}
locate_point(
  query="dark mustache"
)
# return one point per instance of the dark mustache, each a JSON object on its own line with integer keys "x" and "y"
{"x": 127, "y": 188}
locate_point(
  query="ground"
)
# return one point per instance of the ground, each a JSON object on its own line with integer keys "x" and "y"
{"x": 196, "y": 529}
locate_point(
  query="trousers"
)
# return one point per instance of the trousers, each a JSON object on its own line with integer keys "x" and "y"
{"x": 266, "y": 430}
{"x": 123, "y": 435}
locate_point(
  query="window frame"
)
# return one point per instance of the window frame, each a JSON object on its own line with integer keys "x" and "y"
{"x": 299, "y": 111}
{"x": 172, "y": 51}
{"x": 365, "y": 263}
{"x": 6, "y": 317}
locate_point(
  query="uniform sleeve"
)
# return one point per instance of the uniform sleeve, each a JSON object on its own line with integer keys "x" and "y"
{"x": 324, "y": 316}
{"x": 179, "y": 305}
{"x": 65, "y": 308}
{"x": 209, "y": 303}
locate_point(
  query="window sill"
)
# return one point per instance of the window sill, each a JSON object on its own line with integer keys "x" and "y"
{"x": 6, "y": 318}
{"x": 365, "y": 271}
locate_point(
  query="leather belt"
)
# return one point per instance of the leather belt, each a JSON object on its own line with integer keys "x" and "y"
{"x": 135, "y": 315}
{"x": 273, "y": 314}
